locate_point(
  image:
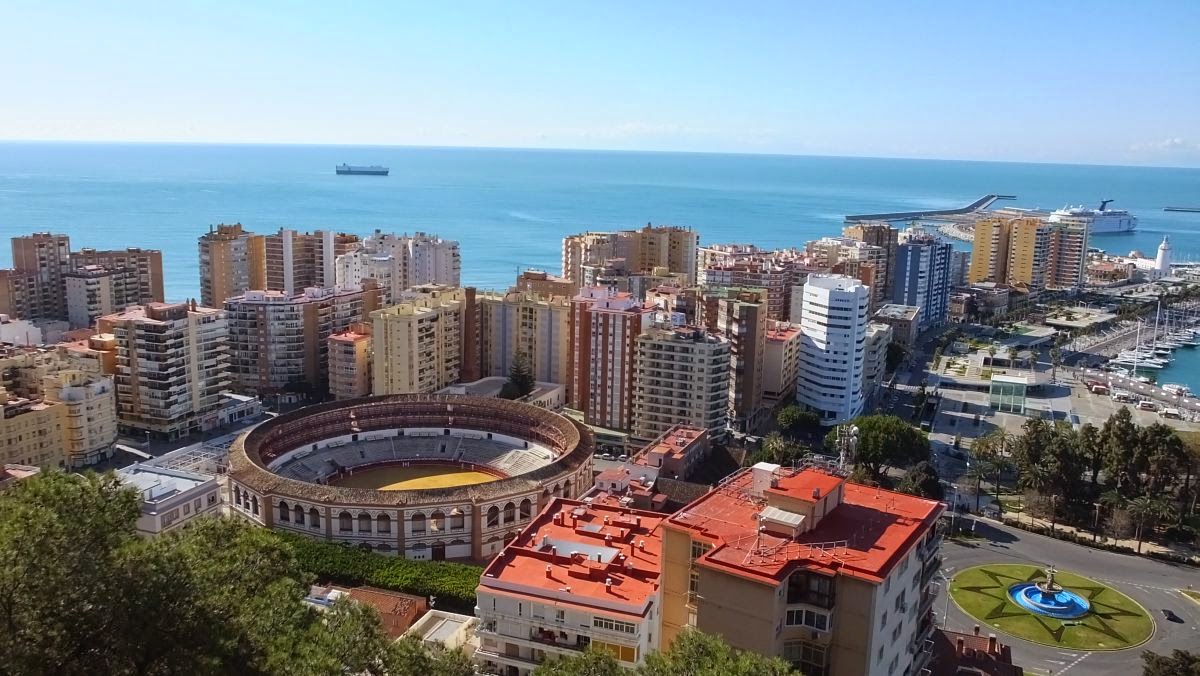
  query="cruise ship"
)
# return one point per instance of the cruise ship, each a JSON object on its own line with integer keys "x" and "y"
{"x": 352, "y": 170}
{"x": 1102, "y": 221}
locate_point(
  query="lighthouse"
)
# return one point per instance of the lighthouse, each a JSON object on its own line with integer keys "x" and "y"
{"x": 1162, "y": 262}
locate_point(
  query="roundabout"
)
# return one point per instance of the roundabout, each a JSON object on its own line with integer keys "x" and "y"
{"x": 1051, "y": 608}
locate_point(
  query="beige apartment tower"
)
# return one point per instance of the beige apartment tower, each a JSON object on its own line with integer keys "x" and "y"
{"x": 680, "y": 377}
{"x": 629, "y": 252}
{"x": 232, "y": 262}
{"x": 418, "y": 344}
{"x": 740, "y": 316}
{"x": 535, "y": 324}
{"x": 172, "y": 364}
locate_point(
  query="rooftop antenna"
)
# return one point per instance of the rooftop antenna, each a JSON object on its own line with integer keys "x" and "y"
{"x": 847, "y": 442}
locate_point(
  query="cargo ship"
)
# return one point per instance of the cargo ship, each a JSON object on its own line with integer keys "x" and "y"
{"x": 352, "y": 170}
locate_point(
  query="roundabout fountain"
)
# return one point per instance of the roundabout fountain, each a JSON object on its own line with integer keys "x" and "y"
{"x": 1049, "y": 598}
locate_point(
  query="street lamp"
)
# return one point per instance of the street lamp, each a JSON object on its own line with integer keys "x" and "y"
{"x": 946, "y": 589}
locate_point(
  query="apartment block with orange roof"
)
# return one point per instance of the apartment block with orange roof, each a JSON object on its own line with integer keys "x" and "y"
{"x": 580, "y": 576}
{"x": 833, "y": 576}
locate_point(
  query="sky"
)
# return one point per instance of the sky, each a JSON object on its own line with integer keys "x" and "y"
{"x": 1111, "y": 82}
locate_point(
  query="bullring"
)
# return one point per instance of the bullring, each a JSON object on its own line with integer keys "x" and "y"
{"x": 422, "y": 476}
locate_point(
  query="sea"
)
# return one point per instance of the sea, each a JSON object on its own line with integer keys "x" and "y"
{"x": 510, "y": 208}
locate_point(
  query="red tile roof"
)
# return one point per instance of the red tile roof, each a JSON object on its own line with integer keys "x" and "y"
{"x": 864, "y": 536}
{"x": 594, "y": 556}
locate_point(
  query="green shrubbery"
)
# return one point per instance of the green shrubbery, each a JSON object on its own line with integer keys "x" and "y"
{"x": 452, "y": 583}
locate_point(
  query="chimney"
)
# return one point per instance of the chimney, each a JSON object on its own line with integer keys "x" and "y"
{"x": 553, "y": 553}
{"x": 547, "y": 570}
{"x": 638, "y": 521}
{"x": 642, "y": 545}
{"x": 993, "y": 645}
{"x": 958, "y": 647}
{"x": 816, "y": 494}
{"x": 608, "y": 585}
{"x": 599, "y": 557}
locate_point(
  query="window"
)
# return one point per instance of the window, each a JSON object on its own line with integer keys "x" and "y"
{"x": 285, "y": 512}
{"x": 623, "y": 653}
{"x": 510, "y": 512}
{"x": 437, "y": 521}
{"x": 418, "y": 524}
{"x": 699, "y": 548}
{"x": 560, "y": 615}
{"x": 883, "y": 620}
{"x": 314, "y": 517}
{"x": 493, "y": 516}
{"x": 808, "y": 618}
{"x": 458, "y": 521}
{"x": 298, "y": 512}
{"x": 364, "y": 522}
{"x": 809, "y": 657}
{"x": 254, "y": 505}
{"x": 811, "y": 588}
{"x": 170, "y": 518}
{"x": 383, "y": 524}
{"x": 345, "y": 522}
{"x": 614, "y": 625}
{"x": 526, "y": 508}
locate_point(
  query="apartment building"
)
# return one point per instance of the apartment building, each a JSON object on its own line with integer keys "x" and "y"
{"x": 905, "y": 321}
{"x": 232, "y": 262}
{"x": 580, "y": 576}
{"x": 170, "y": 498}
{"x": 833, "y": 576}
{"x": 544, "y": 284}
{"x": 36, "y": 288}
{"x": 922, "y": 278}
{"x": 91, "y": 292}
{"x": 172, "y": 363}
{"x": 350, "y": 362}
{"x": 418, "y": 343}
{"x": 1066, "y": 258}
{"x": 868, "y": 263}
{"x": 875, "y": 345}
{"x": 31, "y": 431}
{"x": 87, "y": 422}
{"x": 296, "y": 261}
{"x": 740, "y": 316}
{"x": 1018, "y": 252}
{"x": 537, "y": 325}
{"x": 140, "y": 272}
{"x": 604, "y": 328}
{"x": 680, "y": 377}
{"x": 672, "y": 248}
{"x": 878, "y": 234}
{"x": 400, "y": 262}
{"x": 834, "y": 323}
{"x": 775, "y": 278}
{"x": 279, "y": 342}
{"x": 781, "y": 361}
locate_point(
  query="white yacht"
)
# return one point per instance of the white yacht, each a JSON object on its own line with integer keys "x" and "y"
{"x": 1102, "y": 221}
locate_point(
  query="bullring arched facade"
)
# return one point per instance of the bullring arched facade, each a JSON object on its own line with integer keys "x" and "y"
{"x": 465, "y": 522}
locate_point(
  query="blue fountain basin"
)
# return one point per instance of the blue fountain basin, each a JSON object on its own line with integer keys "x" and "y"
{"x": 1061, "y": 605}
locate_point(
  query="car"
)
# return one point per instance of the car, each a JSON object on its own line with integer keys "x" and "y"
{"x": 606, "y": 456}
{"x": 622, "y": 458}
{"x": 1171, "y": 616}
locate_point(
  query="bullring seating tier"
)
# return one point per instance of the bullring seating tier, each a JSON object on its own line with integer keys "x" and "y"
{"x": 505, "y": 458}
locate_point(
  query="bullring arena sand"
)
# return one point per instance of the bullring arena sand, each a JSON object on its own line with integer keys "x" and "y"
{"x": 413, "y": 477}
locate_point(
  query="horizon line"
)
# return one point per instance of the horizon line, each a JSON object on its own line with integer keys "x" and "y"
{"x": 747, "y": 153}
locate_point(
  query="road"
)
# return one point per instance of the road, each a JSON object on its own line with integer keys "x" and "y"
{"x": 1154, "y": 584}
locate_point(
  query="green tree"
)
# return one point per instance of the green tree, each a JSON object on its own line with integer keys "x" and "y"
{"x": 696, "y": 654}
{"x": 590, "y": 663}
{"x": 885, "y": 441}
{"x": 1055, "y": 362}
{"x": 1178, "y": 663}
{"x": 920, "y": 398}
{"x": 520, "y": 377}
{"x": 789, "y": 419}
{"x": 977, "y": 471}
{"x": 1118, "y": 438}
{"x": 1165, "y": 457}
{"x": 85, "y": 595}
{"x": 922, "y": 479}
{"x": 994, "y": 448}
{"x": 1092, "y": 447}
{"x": 1145, "y": 511}
{"x": 991, "y": 350}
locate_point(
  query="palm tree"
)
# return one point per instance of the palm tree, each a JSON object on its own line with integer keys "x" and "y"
{"x": 991, "y": 350}
{"x": 977, "y": 471}
{"x": 1055, "y": 362}
{"x": 1145, "y": 509}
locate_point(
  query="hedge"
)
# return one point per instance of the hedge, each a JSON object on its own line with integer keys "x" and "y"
{"x": 452, "y": 583}
{"x": 1086, "y": 540}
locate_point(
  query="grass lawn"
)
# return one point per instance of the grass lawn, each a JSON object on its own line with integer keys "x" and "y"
{"x": 1193, "y": 595}
{"x": 1114, "y": 622}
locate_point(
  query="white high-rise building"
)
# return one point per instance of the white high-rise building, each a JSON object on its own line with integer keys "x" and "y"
{"x": 833, "y": 323}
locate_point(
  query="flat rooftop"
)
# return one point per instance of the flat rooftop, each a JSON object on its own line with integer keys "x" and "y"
{"x": 864, "y": 536}
{"x": 894, "y": 311}
{"x": 160, "y": 483}
{"x": 583, "y": 555}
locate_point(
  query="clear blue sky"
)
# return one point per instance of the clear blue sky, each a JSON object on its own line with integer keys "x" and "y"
{"x": 1100, "y": 81}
